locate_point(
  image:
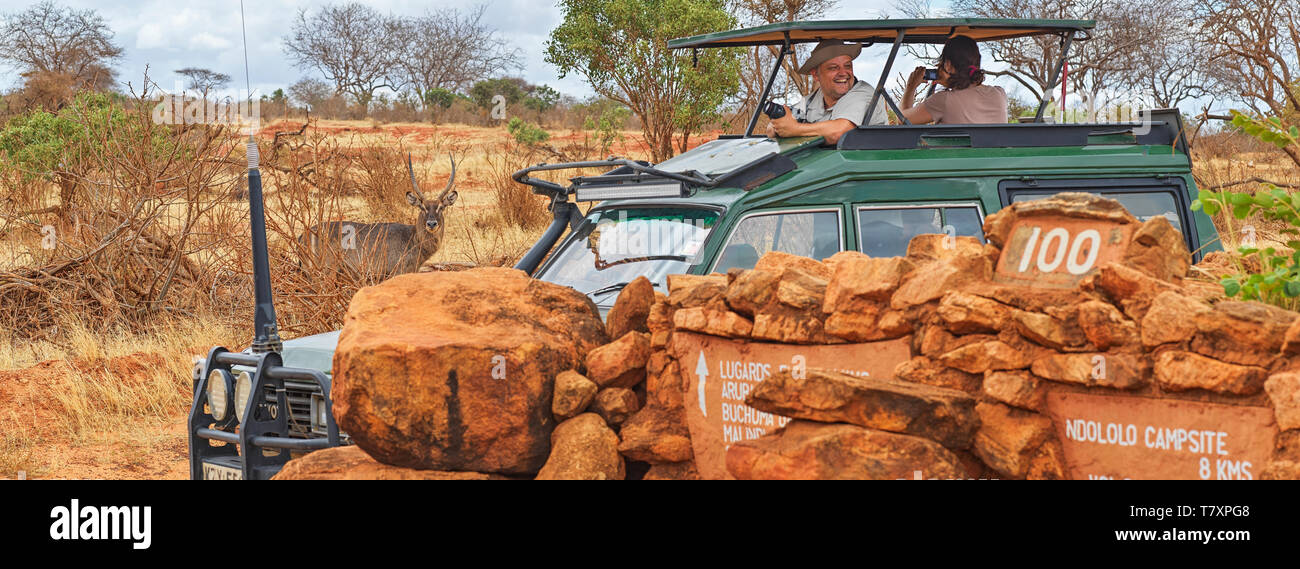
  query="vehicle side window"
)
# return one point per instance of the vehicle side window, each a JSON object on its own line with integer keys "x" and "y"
{"x": 814, "y": 234}
{"x": 886, "y": 231}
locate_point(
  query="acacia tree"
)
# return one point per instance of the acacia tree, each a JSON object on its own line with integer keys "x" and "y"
{"x": 58, "y": 49}
{"x": 620, "y": 47}
{"x": 1255, "y": 44}
{"x": 203, "y": 80}
{"x": 352, "y": 45}
{"x": 452, "y": 50}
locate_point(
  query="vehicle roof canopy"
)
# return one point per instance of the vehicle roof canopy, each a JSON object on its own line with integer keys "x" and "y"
{"x": 933, "y": 30}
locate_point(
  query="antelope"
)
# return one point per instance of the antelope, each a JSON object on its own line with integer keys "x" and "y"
{"x": 383, "y": 249}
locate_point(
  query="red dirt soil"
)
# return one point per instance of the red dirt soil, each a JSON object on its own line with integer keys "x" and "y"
{"x": 148, "y": 448}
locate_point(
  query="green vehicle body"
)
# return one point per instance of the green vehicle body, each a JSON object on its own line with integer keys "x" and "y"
{"x": 987, "y": 178}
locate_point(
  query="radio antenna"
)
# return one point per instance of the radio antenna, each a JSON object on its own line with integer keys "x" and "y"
{"x": 266, "y": 333}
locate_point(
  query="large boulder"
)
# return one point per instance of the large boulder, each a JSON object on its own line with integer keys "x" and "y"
{"x": 805, "y": 450}
{"x": 631, "y": 309}
{"x": 583, "y": 448}
{"x": 352, "y": 463}
{"x": 943, "y": 415}
{"x": 455, "y": 370}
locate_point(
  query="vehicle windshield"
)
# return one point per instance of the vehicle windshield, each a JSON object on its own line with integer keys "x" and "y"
{"x": 615, "y": 246}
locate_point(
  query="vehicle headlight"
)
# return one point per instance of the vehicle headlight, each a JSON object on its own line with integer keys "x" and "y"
{"x": 243, "y": 389}
{"x": 219, "y": 394}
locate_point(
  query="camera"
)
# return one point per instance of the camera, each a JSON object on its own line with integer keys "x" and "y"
{"x": 773, "y": 110}
{"x": 931, "y": 74}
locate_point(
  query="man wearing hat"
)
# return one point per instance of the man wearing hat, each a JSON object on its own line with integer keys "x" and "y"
{"x": 838, "y": 104}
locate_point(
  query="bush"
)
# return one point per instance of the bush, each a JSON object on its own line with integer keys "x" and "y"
{"x": 1277, "y": 278}
{"x": 526, "y": 133}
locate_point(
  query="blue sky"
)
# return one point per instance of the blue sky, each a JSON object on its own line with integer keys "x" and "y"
{"x": 166, "y": 35}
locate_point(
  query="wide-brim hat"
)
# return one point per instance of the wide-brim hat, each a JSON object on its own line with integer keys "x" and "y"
{"x": 828, "y": 50}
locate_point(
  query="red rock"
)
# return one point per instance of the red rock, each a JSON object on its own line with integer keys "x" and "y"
{"x": 805, "y": 450}
{"x": 1132, "y": 290}
{"x": 932, "y": 246}
{"x": 1047, "y": 331}
{"x": 620, "y": 363}
{"x": 788, "y": 327}
{"x": 583, "y": 448}
{"x": 945, "y": 416}
{"x": 678, "y": 282}
{"x": 801, "y": 290}
{"x": 1009, "y": 439}
{"x": 456, "y": 370}
{"x": 929, "y": 371}
{"x": 664, "y": 387}
{"x": 777, "y": 262}
{"x": 1281, "y": 470}
{"x": 656, "y": 435}
{"x": 1016, "y": 388}
{"x": 673, "y": 471}
{"x": 1115, "y": 370}
{"x": 1158, "y": 250}
{"x": 697, "y": 293}
{"x": 352, "y": 463}
{"x": 631, "y": 309}
{"x": 985, "y": 356}
{"x": 1104, "y": 326}
{"x": 712, "y": 322}
{"x": 752, "y": 290}
{"x": 615, "y": 405}
{"x": 967, "y": 314}
{"x": 931, "y": 280}
{"x": 1180, "y": 371}
{"x": 1284, "y": 391}
{"x": 1291, "y": 341}
{"x": 1082, "y": 205}
{"x": 861, "y": 280}
{"x": 1171, "y": 319}
{"x": 1247, "y": 333}
{"x": 573, "y": 393}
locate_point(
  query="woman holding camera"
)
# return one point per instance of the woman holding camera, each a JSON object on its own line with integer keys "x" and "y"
{"x": 965, "y": 98}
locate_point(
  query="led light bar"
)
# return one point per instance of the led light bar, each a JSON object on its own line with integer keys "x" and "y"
{"x": 623, "y": 191}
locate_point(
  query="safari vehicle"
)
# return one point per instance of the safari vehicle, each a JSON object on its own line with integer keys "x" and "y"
{"x": 727, "y": 202}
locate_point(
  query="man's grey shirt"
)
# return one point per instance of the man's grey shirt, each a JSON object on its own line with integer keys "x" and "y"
{"x": 852, "y": 106}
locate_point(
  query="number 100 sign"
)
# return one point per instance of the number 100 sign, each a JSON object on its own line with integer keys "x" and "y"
{"x": 1058, "y": 252}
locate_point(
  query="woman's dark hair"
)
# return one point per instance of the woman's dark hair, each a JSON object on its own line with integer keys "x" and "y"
{"x": 964, "y": 55}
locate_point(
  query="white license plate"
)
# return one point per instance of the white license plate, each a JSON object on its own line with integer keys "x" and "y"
{"x": 218, "y": 472}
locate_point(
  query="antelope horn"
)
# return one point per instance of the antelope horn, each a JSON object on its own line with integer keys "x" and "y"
{"x": 450, "y": 181}
{"x": 414, "y": 184}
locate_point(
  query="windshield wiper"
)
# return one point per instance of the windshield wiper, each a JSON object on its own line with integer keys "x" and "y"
{"x": 616, "y": 287}
{"x": 610, "y": 288}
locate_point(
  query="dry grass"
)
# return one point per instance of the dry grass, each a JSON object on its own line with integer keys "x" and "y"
{"x": 1227, "y": 158}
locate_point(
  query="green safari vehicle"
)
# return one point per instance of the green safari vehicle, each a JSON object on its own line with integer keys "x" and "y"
{"x": 727, "y": 202}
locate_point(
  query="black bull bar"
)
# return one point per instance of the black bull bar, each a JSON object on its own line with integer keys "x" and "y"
{"x": 264, "y": 424}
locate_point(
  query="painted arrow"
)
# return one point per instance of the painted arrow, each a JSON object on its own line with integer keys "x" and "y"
{"x": 702, "y": 371}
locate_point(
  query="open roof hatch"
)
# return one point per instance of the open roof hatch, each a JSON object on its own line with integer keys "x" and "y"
{"x": 896, "y": 32}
